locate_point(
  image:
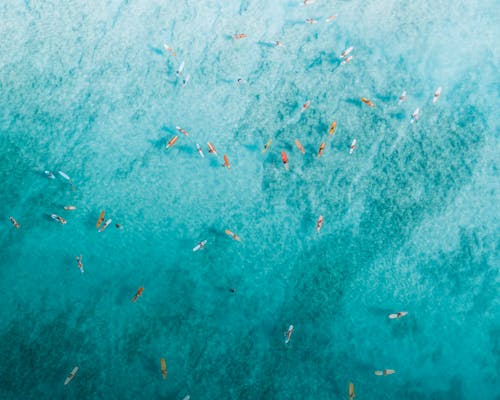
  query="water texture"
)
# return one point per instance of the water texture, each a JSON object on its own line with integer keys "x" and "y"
{"x": 411, "y": 219}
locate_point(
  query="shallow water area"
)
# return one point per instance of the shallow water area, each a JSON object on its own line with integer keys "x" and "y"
{"x": 410, "y": 217}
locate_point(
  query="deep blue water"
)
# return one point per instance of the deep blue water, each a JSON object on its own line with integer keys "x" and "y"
{"x": 411, "y": 219}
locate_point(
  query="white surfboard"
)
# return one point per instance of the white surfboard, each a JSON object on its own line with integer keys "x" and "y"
{"x": 185, "y": 81}
{"x": 398, "y": 315}
{"x": 64, "y": 175}
{"x": 353, "y": 146}
{"x": 385, "y": 372}
{"x": 437, "y": 93}
{"x": 200, "y": 150}
{"x": 200, "y": 245}
{"x": 346, "y": 51}
{"x": 106, "y": 224}
{"x": 71, "y": 375}
{"x": 180, "y": 69}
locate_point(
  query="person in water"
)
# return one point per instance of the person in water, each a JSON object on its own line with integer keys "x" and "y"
{"x": 80, "y": 264}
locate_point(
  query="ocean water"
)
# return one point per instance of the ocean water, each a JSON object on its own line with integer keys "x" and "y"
{"x": 411, "y": 220}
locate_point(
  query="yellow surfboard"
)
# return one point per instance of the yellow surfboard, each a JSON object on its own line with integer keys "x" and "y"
{"x": 163, "y": 368}
{"x": 101, "y": 218}
{"x": 267, "y": 145}
{"x": 351, "y": 390}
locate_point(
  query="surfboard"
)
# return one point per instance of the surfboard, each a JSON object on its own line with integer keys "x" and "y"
{"x": 200, "y": 245}
{"x": 57, "y": 218}
{"x": 163, "y": 368}
{"x": 101, "y": 218}
{"x": 299, "y": 146}
{"x": 172, "y": 141}
{"x": 64, "y": 175}
{"x": 211, "y": 148}
{"x": 351, "y": 390}
{"x": 106, "y": 224}
{"x": 385, "y": 372}
{"x": 267, "y": 145}
{"x": 200, "y": 150}
{"x": 401, "y": 314}
{"x": 71, "y": 375}
{"x": 333, "y": 126}
{"x": 180, "y": 69}
{"x": 69, "y": 208}
{"x": 353, "y": 146}
{"x": 185, "y": 81}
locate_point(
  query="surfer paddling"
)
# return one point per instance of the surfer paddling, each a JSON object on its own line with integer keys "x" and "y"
{"x": 226, "y": 162}
{"x": 353, "y": 146}
{"x": 267, "y": 146}
{"x": 321, "y": 149}
{"x": 306, "y": 105}
{"x": 284, "y": 158}
{"x": 233, "y": 235}
{"x": 172, "y": 141}
{"x": 437, "y": 93}
{"x": 398, "y": 315}
{"x": 70, "y": 208}
{"x": 58, "y": 218}
{"x": 71, "y": 375}
{"x": 138, "y": 294}
{"x": 182, "y": 130}
{"x": 200, "y": 245}
{"x": 288, "y": 334}
{"x": 319, "y": 223}
{"x": 14, "y": 222}
{"x": 402, "y": 97}
{"x": 333, "y": 126}
{"x": 351, "y": 391}
{"x": 163, "y": 365}
{"x": 80, "y": 264}
{"x": 346, "y": 52}
{"x": 385, "y": 372}
{"x": 369, "y": 103}
{"x": 415, "y": 116}
{"x": 240, "y": 36}
{"x": 211, "y": 148}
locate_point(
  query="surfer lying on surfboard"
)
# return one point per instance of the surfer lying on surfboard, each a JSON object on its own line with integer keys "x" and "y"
{"x": 200, "y": 245}
{"x": 351, "y": 391}
{"x": 288, "y": 334}
{"x": 284, "y": 158}
{"x": 80, "y": 264}
{"x": 398, "y": 315}
{"x": 385, "y": 372}
{"x": 57, "y": 218}
{"x": 163, "y": 368}
{"x": 367, "y": 102}
{"x": 233, "y": 235}
{"x": 299, "y": 146}
{"x": 321, "y": 149}
{"x": 71, "y": 375}
{"x": 14, "y": 222}
{"x": 138, "y": 294}
{"x": 226, "y": 162}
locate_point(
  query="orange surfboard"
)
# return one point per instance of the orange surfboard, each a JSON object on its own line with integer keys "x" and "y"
{"x": 163, "y": 368}
{"x": 101, "y": 218}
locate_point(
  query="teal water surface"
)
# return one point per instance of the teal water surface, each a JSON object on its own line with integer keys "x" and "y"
{"x": 411, "y": 219}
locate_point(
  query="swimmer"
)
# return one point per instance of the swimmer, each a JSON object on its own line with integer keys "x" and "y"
{"x": 333, "y": 126}
{"x": 437, "y": 93}
{"x": 100, "y": 219}
{"x": 172, "y": 141}
{"x": 240, "y": 36}
{"x": 233, "y": 235}
{"x": 346, "y": 60}
{"x": 321, "y": 149}
{"x": 306, "y": 105}
{"x": 138, "y": 294}
{"x": 200, "y": 150}
{"x": 80, "y": 264}
{"x": 311, "y": 21}
{"x": 211, "y": 148}
{"x": 59, "y": 219}
{"x": 182, "y": 130}
{"x": 49, "y": 174}
{"x": 319, "y": 223}
{"x": 353, "y": 146}
{"x": 118, "y": 226}
{"x": 415, "y": 116}
{"x": 267, "y": 145}
{"x": 226, "y": 162}
{"x": 185, "y": 81}
{"x": 288, "y": 334}
{"x": 351, "y": 391}
{"x": 299, "y": 146}
{"x": 70, "y": 208}
{"x": 14, "y": 222}
{"x": 71, "y": 375}
{"x": 402, "y": 97}
{"x": 346, "y": 51}
{"x": 180, "y": 69}
{"x": 284, "y": 158}
{"x": 105, "y": 225}
{"x": 367, "y": 102}
{"x": 232, "y": 290}
{"x": 398, "y": 315}
{"x": 330, "y": 18}
{"x": 385, "y": 372}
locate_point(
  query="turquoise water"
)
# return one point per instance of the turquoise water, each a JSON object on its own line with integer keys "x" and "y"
{"x": 411, "y": 218}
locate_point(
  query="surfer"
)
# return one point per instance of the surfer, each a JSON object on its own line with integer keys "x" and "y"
{"x": 346, "y": 60}
{"x": 100, "y": 219}
{"x": 240, "y": 35}
{"x": 415, "y": 116}
{"x": 353, "y": 146}
{"x": 80, "y": 264}
{"x": 182, "y": 130}
{"x": 385, "y": 372}
{"x": 172, "y": 141}
{"x": 14, "y": 222}
{"x": 398, "y": 315}
{"x": 49, "y": 175}
{"x": 346, "y": 52}
{"x": 70, "y": 208}
{"x": 71, "y": 375}
{"x": 200, "y": 245}
{"x": 351, "y": 391}
{"x": 278, "y": 43}
{"x": 200, "y": 150}
{"x": 306, "y": 105}
{"x": 402, "y": 97}
{"x": 267, "y": 146}
{"x": 284, "y": 158}
{"x": 59, "y": 219}
{"x": 288, "y": 334}
{"x": 226, "y": 162}
{"x": 319, "y": 223}
{"x": 311, "y": 21}
{"x": 105, "y": 225}
{"x": 180, "y": 69}
{"x": 333, "y": 126}
{"x": 321, "y": 149}
{"x": 233, "y": 235}
{"x": 437, "y": 93}
{"x": 330, "y": 18}
{"x": 138, "y": 294}
{"x": 241, "y": 81}
{"x": 211, "y": 148}
{"x": 367, "y": 102}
